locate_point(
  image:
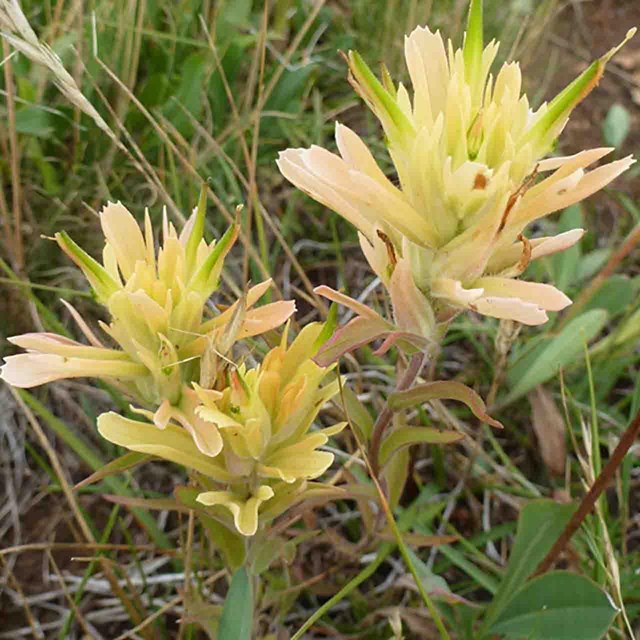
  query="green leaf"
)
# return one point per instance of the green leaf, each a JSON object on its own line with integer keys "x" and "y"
{"x": 376, "y": 96}
{"x": 123, "y": 463}
{"x": 473, "y": 41}
{"x": 328, "y": 327}
{"x": 614, "y": 295}
{"x": 407, "y": 436}
{"x": 546, "y": 127}
{"x": 557, "y": 352}
{"x": 395, "y": 474}
{"x": 99, "y": 278}
{"x": 557, "y": 606}
{"x": 201, "y": 279}
{"x": 235, "y": 12}
{"x": 442, "y": 390}
{"x": 197, "y": 229}
{"x": 616, "y": 126}
{"x": 236, "y": 621}
{"x": 539, "y": 525}
{"x": 565, "y": 263}
{"x": 591, "y": 263}
{"x": 189, "y": 95}
{"x": 288, "y": 92}
{"x": 356, "y": 413}
{"x": 230, "y": 543}
{"x": 34, "y": 121}
{"x": 434, "y": 584}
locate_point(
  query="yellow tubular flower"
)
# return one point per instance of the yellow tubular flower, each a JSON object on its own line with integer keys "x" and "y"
{"x": 263, "y": 417}
{"x": 156, "y": 304}
{"x": 468, "y": 151}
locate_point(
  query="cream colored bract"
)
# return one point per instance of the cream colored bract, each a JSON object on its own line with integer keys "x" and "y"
{"x": 263, "y": 418}
{"x": 468, "y": 151}
{"x": 156, "y": 304}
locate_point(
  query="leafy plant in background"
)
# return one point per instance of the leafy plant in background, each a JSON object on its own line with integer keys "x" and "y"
{"x": 242, "y": 416}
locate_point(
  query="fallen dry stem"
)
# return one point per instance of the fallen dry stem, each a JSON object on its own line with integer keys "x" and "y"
{"x": 130, "y": 607}
{"x": 16, "y": 184}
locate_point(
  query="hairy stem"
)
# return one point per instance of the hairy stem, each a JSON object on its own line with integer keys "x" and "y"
{"x": 385, "y": 416}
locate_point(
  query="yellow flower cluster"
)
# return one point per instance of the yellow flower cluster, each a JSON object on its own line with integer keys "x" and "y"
{"x": 263, "y": 417}
{"x": 468, "y": 152}
{"x": 156, "y": 306}
{"x": 246, "y": 431}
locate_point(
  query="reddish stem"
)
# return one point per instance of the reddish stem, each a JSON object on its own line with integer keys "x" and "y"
{"x": 590, "y": 499}
{"x": 385, "y": 416}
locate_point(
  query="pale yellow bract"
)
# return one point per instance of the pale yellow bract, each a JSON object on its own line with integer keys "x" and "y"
{"x": 468, "y": 151}
{"x": 156, "y": 306}
{"x": 264, "y": 416}
{"x": 246, "y": 431}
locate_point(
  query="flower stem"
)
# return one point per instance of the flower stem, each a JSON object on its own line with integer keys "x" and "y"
{"x": 385, "y": 416}
{"x": 368, "y": 571}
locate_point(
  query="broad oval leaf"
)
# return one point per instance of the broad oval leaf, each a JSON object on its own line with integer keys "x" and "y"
{"x": 407, "y": 436}
{"x": 615, "y": 295}
{"x": 557, "y": 606}
{"x": 236, "y": 622}
{"x": 443, "y": 390}
{"x": 551, "y": 356}
{"x": 539, "y": 525}
{"x": 616, "y": 126}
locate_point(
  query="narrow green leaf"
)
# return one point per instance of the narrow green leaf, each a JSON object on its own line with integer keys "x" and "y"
{"x": 443, "y": 390}
{"x": 236, "y": 622}
{"x": 407, "y": 436}
{"x": 200, "y": 279}
{"x": 328, "y": 328}
{"x": 545, "y": 361}
{"x": 101, "y": 282}
{"x": 356, "y": 412}
{"x": 123, "y": 463}
{"x": 562, "y": 105}
{"x": 376, "y": 96}
{"x": 473, "y": 41}
{"x": 197, "y": 230}
{"x": 557, "y": 606}
{"x": 615, "y": 295}
{"x": 539, "y": 525}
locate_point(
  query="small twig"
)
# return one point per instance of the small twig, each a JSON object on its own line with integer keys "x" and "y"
{"x": 590, "y": 499}
{"x": 13, "y": 582}
{"x": 385, "y": 416}
{"x": 16, "y": 186}
{"x": 72, "y": 603}
{"x": 70, "y": 546}
{"x": 188, "y": 560}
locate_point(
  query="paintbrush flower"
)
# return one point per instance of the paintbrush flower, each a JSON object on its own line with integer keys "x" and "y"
{"x": 469, "y": 154}
{"x": 156, "y": 304}
{"x": 264, "y": 416}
